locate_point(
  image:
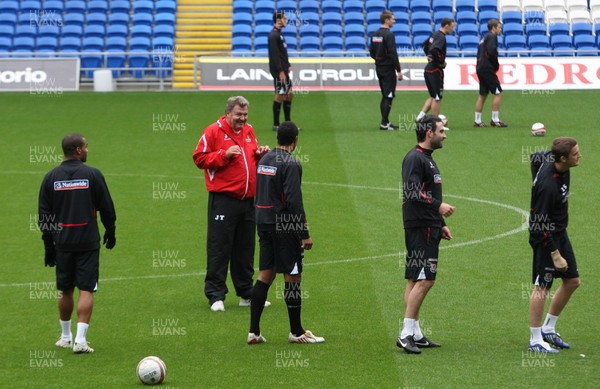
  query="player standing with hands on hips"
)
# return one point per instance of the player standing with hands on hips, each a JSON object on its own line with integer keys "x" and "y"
{"x": 553, "y": 254}
{"x": 70, "y": 196}
{"x": 279, "y": 66}
{"x": 423, "y": 213}
{"x": 283, "y": 234}
{"x": 387, "y": 66}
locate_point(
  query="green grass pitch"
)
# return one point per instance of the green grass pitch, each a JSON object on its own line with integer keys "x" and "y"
{"x": 150, "y": 299}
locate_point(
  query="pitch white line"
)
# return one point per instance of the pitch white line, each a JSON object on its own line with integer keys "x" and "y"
{"x": 520, "y": 211}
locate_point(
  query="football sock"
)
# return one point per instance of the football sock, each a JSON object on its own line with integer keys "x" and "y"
{"x": 417, "y": 330}
{"x": 536, "y": 335}
{"x": 257, "y": 304}
{"x": 276, "y": 110}
{"x": 477, "y": 117}
{"x": 287, "y": 110}
{"x": 385, "y": 106}
{"x": 66, "y": 330}
{"x": 421, "y": 115}
{"x": 293, "y": 300}
{"x": 495, "y": 116}
{"x": 550, "y": 324}
{"x": 81, "y": 332}
{"x": 407, "y": 328}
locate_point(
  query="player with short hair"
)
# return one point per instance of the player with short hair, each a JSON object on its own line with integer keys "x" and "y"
{"x": 70, "y": 196}
{"x": 423, "y": 213}
{"x": 279, "y": 66}
{"x": 387, "y": 66}
{"x": 487, "y": 67}
{"x": 553, "y": 254}
{"x": 435, "y": 50}
{"x": 283, "y": 234}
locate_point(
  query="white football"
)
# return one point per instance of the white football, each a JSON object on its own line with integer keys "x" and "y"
{"x": 151, "y": 370}
{"x": 538, "y": 129}
{"x": 444, "y": 120}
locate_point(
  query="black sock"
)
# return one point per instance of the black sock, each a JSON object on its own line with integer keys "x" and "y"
{"x": 276, "y": 110}
{"x": 385, "y": 106}
{"x": 257, "y": 304}
{"x": 287, "y": 110}
{"x": 293, "y": 299}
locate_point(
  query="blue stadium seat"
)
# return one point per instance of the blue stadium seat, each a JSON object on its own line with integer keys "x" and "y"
{"x": 5, "y": 44}
{"x": 168, "y": 6}
{"x": 540, "y": 53}
{"x": 9, "y": 7}
{"x": 119, "y": 18}
{"x": 466, "y": 17}
{"x": 333, "y": 46}
{"x": 139, "y": 43}
{"x": 292, "y": 43}
{"x": 96, "y": 18}
{"x": 355, "y": 30}
{"x": 581, "y": 29}
{"x": 439, "y": 15}
{"x": 309, "y": 18}
{"x": 442, "y": 5}
{"x": 241, "y": 30}
{"x": 535, "y": 29}
{"x": 72, "y": 6}
{"x": 54, "y": 7}
{"x": 451, "y": 41}
{"x": 422, "y": 29}
{"x": 327, "y": 6}
{"x": 467, "y": 29}
{"x": 309, "y": 6}
{"x": 562, "y": 45}
{"x": 142, "y": 19}
{"x": 8, "y": 19}
{"x": 7, "y": 31}
{"x": 402, "y": 17}
{"x": 117, "y": 46}
{"x": 356, "y": 53}
{"x": 375, "y": 6}
{"x": 418, "y": 40}
{"x": 558, "y": 29}
{"x": 23, "y": 44}
{"x": 374, "y": 18}
{"x": 139, "y": 61}
{"x": 516, "y": 45}
{"x": 332, "y": 18}
{"x": 261, "y": 44}
{"x": 404, "y": 46}
{"x": 31, "y": 6}
{"x": 162, "y": 56}
{"x": 141, "y": 30}
{"x": 120, "y": 6}
{"x": 72, "y": 30}
{"x": 165, "y": 18}
{"x": 484, "y": 16}
{"x": 242, "y": 7}
{"x": 420, "y": 5}
{"x": 26, "y": 19}
{"x": 354, "y": 18}
{"x": 242, "y": 18}
{"x": 98, "y": 6}
{"x": 241, "y": 43}
{"x": 353, "y": 6}
{"x": 398, "y": 6}
{"x": 464, "y": 5}
{"x": 49, "y": 30}
{"x": 401, "y": 29}
{"x": 468, "y": 45}
{"x": 310, "y": 46}
{"x": 332, "y": 30}
{"x": 263, "y": 19}
{"x": 117, "y": 30}
{"x": 143, "y": 6}
{"x": 307, "y": 30}
{"x": 512, "y": 17}
{"x": 163, "y": 30}
{"x": 355, "y": 43}
{"x": 538, "y": 42}
{"x": 584, "y": 42}
{"x": 371, "y": 28}
{"x": 26, "y": 31}
{"x": 420, "y": 17}
{"x": 47, "y": 45}
{"x": 487, "y": 5}
{"x": 70, "y": 44}
{"x": 94, "y": 30}
{"x": 512, "y": 29}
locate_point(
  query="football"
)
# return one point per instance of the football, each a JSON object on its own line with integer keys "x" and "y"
{"x": 444, "y": 120}
{"x": 151, "y": 370}
{"x": 538, "y": 129}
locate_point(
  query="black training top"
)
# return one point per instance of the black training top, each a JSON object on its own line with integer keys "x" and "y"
{"x": 383, "y": 48}
{"x": 70, "y": 196}
{"x": 278, "y": 55}
{"x": 487, "y": 53}
{"x": 421, "y": 190}
{"x": 436, "y": 56}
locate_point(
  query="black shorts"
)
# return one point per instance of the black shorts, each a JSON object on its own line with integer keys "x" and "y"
{"x": 422, "y": 248}
{"x": 282, "y": 88}
{"x": 387, "y": 80}
{"x": 489, "y": 83}
{"x": 281, "y": 251}
{"x": 543, "y": 267}
{"x": 434, "y": 79}
{"x": 77, "y": 269}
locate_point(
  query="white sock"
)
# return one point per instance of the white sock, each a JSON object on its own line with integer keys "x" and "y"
{"x": 536, "y": 335}
{"x": 477, "y": 117}
{"x": 421, "y": 115}
{"x": 495, "y": 116}
{"x": 65, "y": 326}
{"x": 550, "y": 324}
{"x": 81, "y": 331}
{"x": 418, "y": 335}
{"x": 407, "y": 328}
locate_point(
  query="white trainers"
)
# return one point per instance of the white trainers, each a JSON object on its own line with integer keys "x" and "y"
{"x": 82, "y": 348}
{"x": 246, "y": 303}
{"x": 307, "y": 337}
{"x": 254, "y": 339}
{"x": 217, "y": 306}
{"x": 64, "y": 343}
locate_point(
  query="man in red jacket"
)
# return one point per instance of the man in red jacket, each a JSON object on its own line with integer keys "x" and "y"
{"x": 228, "y": 152}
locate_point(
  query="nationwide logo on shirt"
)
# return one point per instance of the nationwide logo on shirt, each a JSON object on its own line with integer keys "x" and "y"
{"x": 267, "y": 170}
{"x": 71, "y": 185}
{"x": 437, "y": 179}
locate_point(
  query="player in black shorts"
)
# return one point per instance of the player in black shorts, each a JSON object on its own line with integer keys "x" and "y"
{"x": 435, "y": 50}
{"x": 70, "y": 196}
{"x": 487, "y": 67}
{"x": 387, "y": 66}
{"x": 553, "y": 254}
{"x": 283, "y": 234}
{"x": 423, "y": 215}
{"x": 279, "y": 66}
